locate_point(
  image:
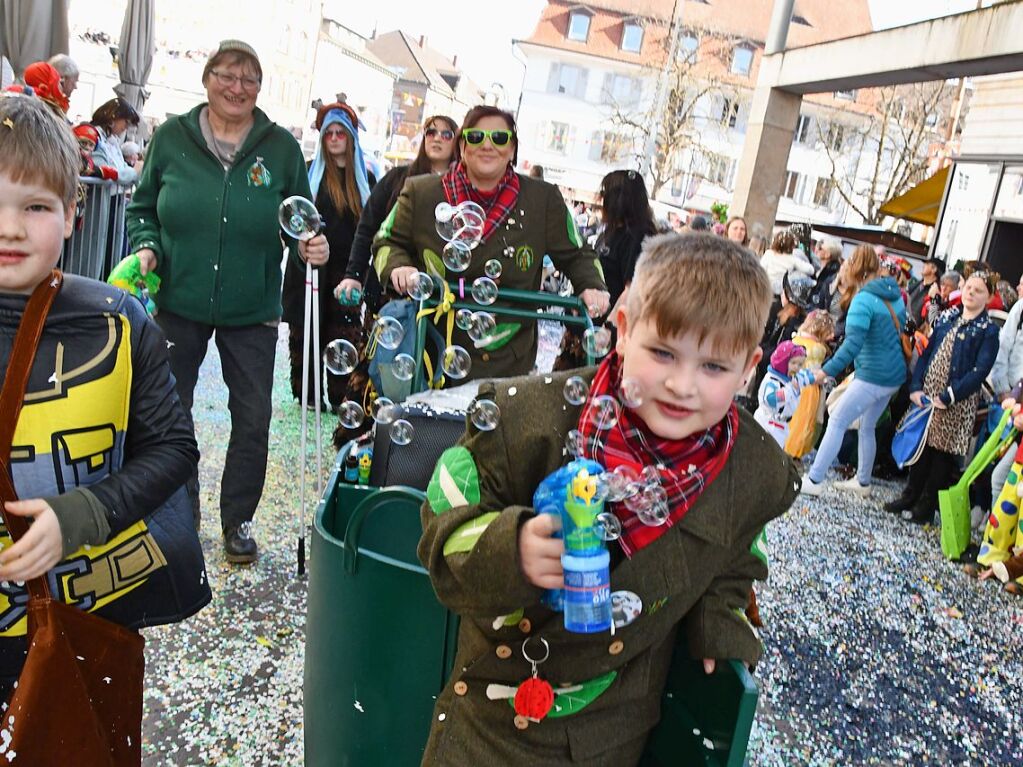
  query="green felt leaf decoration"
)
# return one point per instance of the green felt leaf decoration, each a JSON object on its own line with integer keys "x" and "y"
{"x": 455, "y": 481}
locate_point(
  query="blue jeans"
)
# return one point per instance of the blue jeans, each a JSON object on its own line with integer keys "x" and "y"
{"x": 862, "y": 400}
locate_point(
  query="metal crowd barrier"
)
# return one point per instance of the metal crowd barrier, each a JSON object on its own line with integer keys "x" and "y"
{"x": 99, "y": 239}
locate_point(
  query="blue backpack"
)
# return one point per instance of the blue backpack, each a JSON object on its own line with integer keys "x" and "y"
{"x": 381, "y": 365}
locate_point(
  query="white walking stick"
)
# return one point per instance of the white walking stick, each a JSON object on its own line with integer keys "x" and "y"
{"x": 310, "y": 353}
{"x": 299, "y": 219}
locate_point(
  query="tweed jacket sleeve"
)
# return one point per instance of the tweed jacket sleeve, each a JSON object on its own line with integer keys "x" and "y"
{"x": 471, "y": 529}
{"x": 394, "y": 245}
{"x": 566, "y": 247}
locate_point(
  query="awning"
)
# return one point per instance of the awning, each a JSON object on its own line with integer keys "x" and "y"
{"x": 921, "y": 203}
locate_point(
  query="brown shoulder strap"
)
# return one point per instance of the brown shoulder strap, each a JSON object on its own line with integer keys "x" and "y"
{"x": 895, "y": 320}
{"x": 12, "y": 396}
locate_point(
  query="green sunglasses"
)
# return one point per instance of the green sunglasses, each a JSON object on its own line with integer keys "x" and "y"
{"x": 475, "y": 136}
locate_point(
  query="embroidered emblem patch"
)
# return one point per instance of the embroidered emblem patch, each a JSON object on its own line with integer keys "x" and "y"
{"x": 524, "y": 257}
{"x": 258, "y": 174}
{"x": 657, "y": 605}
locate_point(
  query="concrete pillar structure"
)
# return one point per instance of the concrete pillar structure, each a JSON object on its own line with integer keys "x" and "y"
{"x": 982, "y": 42}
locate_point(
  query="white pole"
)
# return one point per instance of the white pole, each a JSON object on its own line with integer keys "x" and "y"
{"x": 318, "y": 371}
{"x": 306, "y": 322}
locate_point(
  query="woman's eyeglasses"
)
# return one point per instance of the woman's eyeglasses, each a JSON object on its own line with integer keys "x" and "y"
{"x": 335, "y": 134}
{"x": 475, "y": 136}
{"x": 228, "y": 80}
{"x": 445, "y": 134}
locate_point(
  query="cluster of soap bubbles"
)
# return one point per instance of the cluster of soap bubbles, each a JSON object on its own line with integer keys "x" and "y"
{"x": 461, "y": 227}
{"x": 642, "y": 493}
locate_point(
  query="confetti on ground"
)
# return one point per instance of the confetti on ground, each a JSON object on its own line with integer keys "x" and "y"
{"x": 877, "y": 650}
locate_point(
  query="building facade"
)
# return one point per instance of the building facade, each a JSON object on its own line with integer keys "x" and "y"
{"x": 345, "y": 65}
{"x": 600, "y": 76}
{"x": 427, "y": 83}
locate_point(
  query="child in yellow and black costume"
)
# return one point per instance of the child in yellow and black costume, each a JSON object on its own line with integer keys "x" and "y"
{"x": 102, "y": 447}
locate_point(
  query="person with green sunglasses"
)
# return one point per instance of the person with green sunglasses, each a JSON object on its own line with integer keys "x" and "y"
{"x": 526, "y": 218}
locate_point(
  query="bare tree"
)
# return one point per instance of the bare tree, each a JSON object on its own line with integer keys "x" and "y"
{"x": 693, "y": 77}
{"x": 890, "y": 151}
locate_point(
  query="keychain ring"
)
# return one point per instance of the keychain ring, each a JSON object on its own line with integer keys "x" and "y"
{"x": 537, "y": 661}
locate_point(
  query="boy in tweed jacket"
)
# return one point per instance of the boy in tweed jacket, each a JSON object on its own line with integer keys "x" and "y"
{"x": 688, "y": 333}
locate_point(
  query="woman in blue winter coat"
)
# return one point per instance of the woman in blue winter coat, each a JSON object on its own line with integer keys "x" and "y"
{"x": 874, "y": 322}
{"x": 959, "y": 355}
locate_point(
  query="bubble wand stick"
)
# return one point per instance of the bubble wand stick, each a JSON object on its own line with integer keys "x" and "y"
{"x": 300, "y": 219}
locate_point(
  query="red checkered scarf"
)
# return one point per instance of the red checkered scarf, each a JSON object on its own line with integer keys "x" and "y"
{"x": 498, "y": 204}
{"x": 687, "y": 467}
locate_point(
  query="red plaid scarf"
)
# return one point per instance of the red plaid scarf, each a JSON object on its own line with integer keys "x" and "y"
{"x": 687, "y": 466}
{"x": 498, "y": 204}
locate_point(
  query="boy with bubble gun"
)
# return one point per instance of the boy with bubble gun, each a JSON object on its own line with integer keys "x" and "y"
{"x": 690, "y": 481}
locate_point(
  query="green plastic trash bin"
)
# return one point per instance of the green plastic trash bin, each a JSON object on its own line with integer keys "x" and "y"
{"x": 378, "y": 643}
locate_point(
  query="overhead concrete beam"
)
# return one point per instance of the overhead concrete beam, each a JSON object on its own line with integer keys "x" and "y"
{"x": 969, "y": 44}
{"x": 984, "y": 42}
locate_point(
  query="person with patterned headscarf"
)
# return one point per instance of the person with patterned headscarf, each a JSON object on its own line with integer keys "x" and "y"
{"x": 45, "y": 83}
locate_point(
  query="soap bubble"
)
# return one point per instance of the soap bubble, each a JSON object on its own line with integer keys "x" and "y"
{"x": 340, "y": 357}
{"x": 630, "y": 393}
{"x": 493, "y": 268}
{"x": 574, "y": 443}
{"x": 481, "y": 325}
{"x": 636, "y": 501}
{"x": 389, "y": 332}
{"x": 384, "y": 410}
{"x": 654, "y": 514}
{"x": 484, "y": 414}
{"x": 597, "y": 341}
{"x": 351, "y": 414}
{"x": 650, "y": 475}
{"x": 420, "y": 286}
{"x": 456, "y": 362}
{"x": 484, "y": 290}
{"x": 299, "y": 218}
{"x": 403, "y": 367}
{"x": 467, "y": 223}
{"x": 443, "y": 214}
{"x": 401, "y": 432}
{"x": 604, "y": 414}
{"x": 472, "y": 210}
{"x": 463, "y": 318}
{"x": 576, "y": 390}
{"x": 456, "y": 256}
{"x": 609, "y": 527}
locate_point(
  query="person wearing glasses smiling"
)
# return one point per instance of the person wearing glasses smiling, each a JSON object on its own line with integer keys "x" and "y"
{"x": 436, "y": 152}
{"x": 525, "y": 219}
{"x": 204, "y": 218}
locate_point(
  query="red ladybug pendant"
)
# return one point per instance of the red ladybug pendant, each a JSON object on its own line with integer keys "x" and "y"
{"x": 534, "y": 699}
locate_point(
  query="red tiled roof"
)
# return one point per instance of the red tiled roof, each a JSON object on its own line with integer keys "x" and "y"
{"x": 749, "y": 19}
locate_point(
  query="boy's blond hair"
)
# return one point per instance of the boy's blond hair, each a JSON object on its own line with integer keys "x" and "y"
{"x": 36, "y": 146}
{"x": 703, "y": 284}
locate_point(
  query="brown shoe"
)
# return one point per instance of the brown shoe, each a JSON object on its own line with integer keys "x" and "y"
{"x": 1009, "y": 569}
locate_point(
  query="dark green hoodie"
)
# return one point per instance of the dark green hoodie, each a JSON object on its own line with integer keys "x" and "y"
{"x": 215, "y": 232}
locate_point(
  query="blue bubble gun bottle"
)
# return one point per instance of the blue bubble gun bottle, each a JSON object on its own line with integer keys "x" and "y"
{"x": 570, "y": 493}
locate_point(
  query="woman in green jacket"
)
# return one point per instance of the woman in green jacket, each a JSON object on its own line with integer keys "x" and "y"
{"x": 525, "y": 219}
{"x": 204, "y": 217}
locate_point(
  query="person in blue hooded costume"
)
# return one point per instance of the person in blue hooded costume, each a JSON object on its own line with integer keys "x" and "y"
{"x": 340, "y": 185}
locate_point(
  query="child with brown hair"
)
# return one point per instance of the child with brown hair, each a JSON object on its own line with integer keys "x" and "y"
{"x": 705, "y": 482}
{"x": 102, "y": 447}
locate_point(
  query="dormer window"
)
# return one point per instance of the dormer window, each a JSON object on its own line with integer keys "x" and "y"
{"x": 578, "y": 25}
{"x": 632, "y": 37}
